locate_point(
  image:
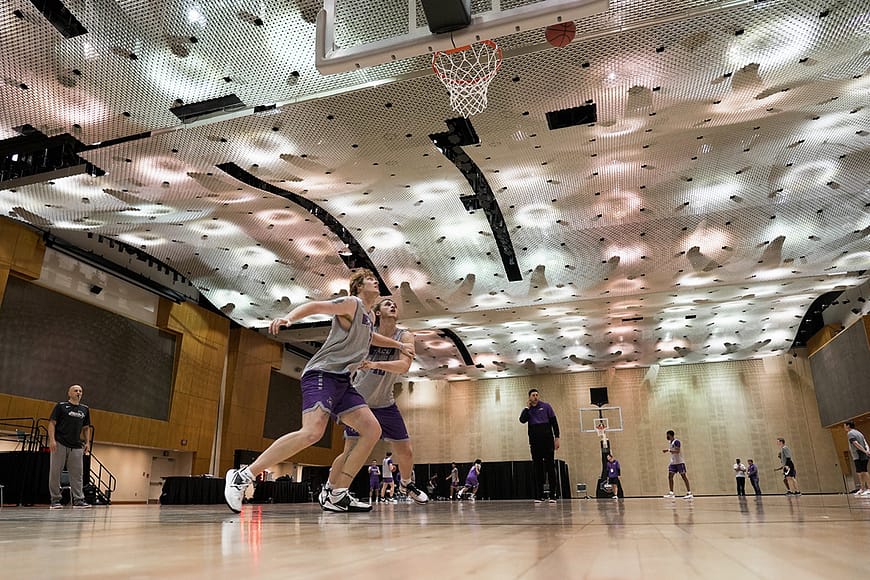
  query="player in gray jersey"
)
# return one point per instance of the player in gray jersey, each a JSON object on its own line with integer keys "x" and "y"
{"x": 327, "y": 391}
{"x": 374, "y": 380}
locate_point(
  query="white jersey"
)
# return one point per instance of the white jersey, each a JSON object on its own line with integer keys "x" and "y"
{"x": 676, "y": 458}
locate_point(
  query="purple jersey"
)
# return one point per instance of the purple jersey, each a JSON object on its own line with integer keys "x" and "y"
{"x": 374, "y": 475}
{"x": 471, "y": 478}
{"x": 613, "y": 468}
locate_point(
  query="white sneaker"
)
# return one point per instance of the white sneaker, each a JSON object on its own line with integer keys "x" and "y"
{"x": 866, "y": 493}
{"x": 537, "y": 501}
{"x": 669, "y": 495}
{"x": 321, "y": 497}
{"x": 859, "y": 492}
{"x": 234, "y": 489}
{"x": 616, "y": 497}
{"x": 689, "y": 496}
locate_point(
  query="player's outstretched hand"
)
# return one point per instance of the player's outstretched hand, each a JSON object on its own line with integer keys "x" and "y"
{"x": 276, "y": 325}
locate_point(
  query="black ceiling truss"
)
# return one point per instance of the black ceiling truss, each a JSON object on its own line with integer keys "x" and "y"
{"x": 33, "y": 157}
{"x": 356, "y": 257}
{"x": 460, "y": 133}
{"x": 460, "y": 346}
{"x": 813, "y": 321}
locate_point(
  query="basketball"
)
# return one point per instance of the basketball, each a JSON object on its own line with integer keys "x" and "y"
{"x": 561, "y": 34}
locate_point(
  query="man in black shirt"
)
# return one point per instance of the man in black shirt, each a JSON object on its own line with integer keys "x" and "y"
{"x": 65, "y": 426}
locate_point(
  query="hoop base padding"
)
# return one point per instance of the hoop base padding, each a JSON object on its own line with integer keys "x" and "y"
{"x": 447, "y": 15}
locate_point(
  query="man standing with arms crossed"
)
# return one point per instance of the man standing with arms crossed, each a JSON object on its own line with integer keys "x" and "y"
{"x": 326, "y": 391}
{"x": 374, "y": 380}
{"x": 543, "y": 442}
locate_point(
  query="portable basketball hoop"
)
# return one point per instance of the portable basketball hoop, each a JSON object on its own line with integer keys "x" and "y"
{"x": 466, "y": 72}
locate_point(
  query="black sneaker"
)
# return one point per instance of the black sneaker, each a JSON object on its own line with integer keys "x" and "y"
{"x": 415, "y": 494}
{"x": 55, "y": 505}
{"x": 81, "y": 504}
{"x": 344, "y": 502}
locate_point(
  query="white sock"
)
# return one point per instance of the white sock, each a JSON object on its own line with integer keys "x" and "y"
{"x": 337, "y": 491}
{"x": 246, "y": 473}
{"x": 405, "y": 482}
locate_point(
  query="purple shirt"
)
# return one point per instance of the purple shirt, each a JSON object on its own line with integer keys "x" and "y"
{"x": 471, "y": 478}
{"x": 542, "y": 421}
{"x": 613, "y": 468}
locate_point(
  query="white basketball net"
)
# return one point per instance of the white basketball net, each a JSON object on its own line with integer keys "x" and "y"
{"x": 466, "y": 72}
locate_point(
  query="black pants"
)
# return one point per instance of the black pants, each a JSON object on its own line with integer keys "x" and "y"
{"x": 741, "y": 485}
{"x": 544, "y": 464}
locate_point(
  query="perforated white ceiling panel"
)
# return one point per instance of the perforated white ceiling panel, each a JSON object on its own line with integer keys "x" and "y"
{"x": 723, "y": 187}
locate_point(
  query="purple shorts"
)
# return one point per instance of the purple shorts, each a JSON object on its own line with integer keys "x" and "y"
{"x": 331, "y": 392}
{"x": 375, "y": 483}
{"x": 677, "y": 468}
{"x": 392, "y": 425}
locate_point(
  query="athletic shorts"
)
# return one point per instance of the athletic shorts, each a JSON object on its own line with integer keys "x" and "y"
{"x": 677, "y": 468}
{"x": 860, "y": 466}
{"x": 789, "y": 467}
{"x": 331, "y": 392}
{"x": 613, "y": 480}
{"x": 391, "y": 422}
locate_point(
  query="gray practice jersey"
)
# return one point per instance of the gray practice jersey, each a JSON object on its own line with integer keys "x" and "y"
{"x": 344, "y": 350}
{"x": 375, "y": 385}
{"x": 855, "y": 435}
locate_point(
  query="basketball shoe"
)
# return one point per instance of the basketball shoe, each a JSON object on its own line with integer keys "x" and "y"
{"x": 234, "y": 489}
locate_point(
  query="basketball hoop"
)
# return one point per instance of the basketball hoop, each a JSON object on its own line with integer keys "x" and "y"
{"x": 466, "y": 72}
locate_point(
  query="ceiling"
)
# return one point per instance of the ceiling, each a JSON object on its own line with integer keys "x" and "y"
{"x": 724, "y": 186}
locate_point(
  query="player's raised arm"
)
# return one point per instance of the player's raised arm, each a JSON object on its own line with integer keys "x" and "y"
{"x": 339, "y": 307}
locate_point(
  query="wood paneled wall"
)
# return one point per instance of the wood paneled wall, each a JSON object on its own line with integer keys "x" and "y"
{"x": 819, "y": 339}
{"x": 248, "y": 372}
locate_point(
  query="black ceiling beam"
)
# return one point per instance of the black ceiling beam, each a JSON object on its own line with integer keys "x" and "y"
{"x": 355, "y": 258}
{"x": 460, "y": 133}
{"x": 60, "y": 17}
{"x": 460, "y": 346}
{"x": 33, "y": 157}
{"x": 813, "y": 321}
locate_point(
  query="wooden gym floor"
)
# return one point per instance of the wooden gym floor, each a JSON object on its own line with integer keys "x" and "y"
{"x": 812, "y": 536}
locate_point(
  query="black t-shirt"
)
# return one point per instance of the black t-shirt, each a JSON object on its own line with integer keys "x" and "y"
{"x": 69, "y": 421}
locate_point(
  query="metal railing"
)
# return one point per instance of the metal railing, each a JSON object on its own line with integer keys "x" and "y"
{"x": 22, "y": 431}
